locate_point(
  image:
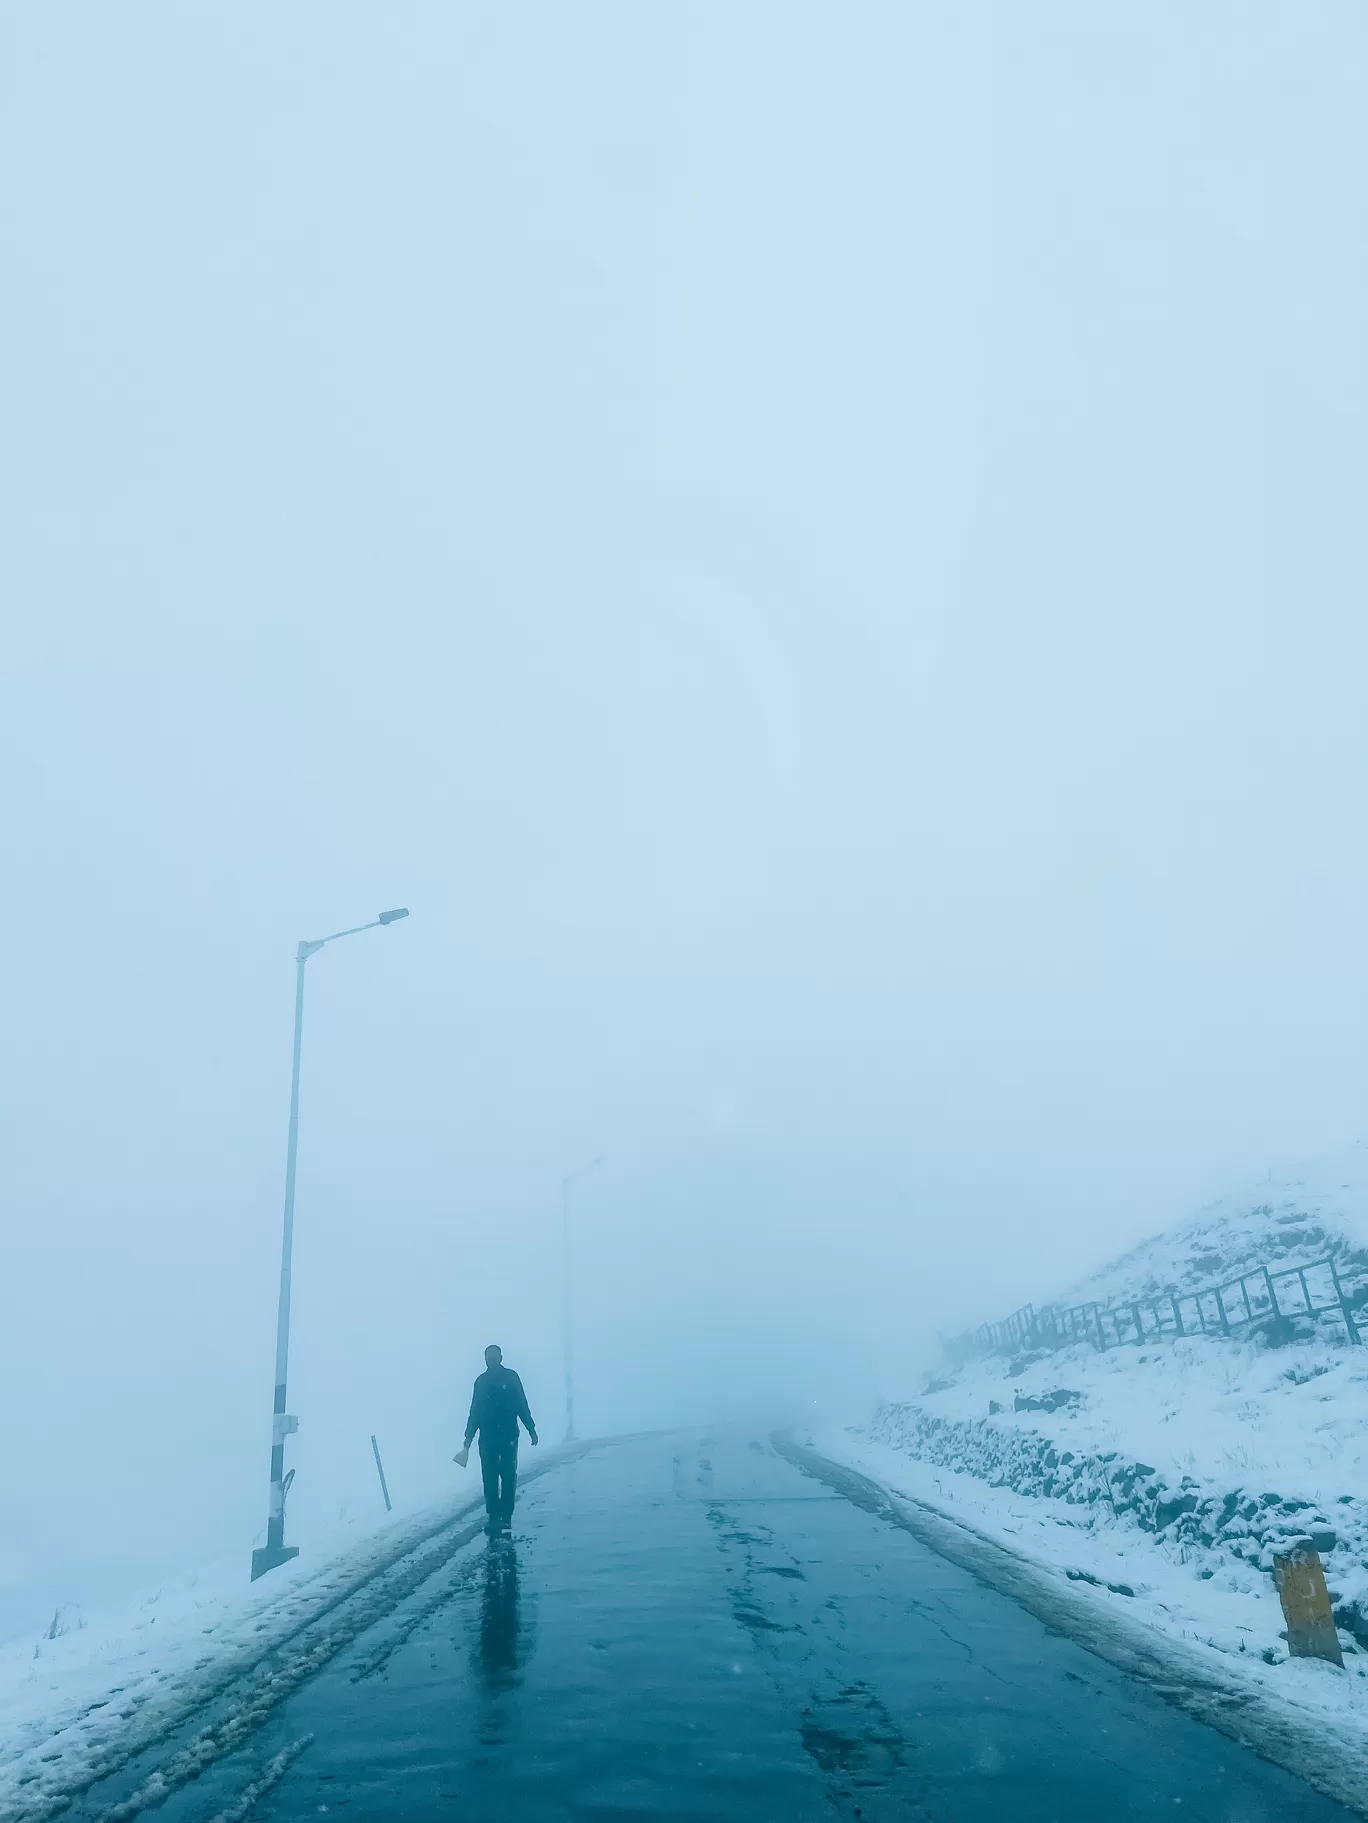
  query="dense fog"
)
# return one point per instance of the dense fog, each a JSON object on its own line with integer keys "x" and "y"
{"x": 818, "y": 551}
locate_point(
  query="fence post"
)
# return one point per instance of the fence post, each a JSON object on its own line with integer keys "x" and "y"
{"x": 1177, "y": 1316}
{"x": 1272, "y": 1295}
{"x": 1220, "y": 1305}
{"x": 1139, "y": 1326}
{"x": 1345, "y": 1311}
{"x": 380, "y": 1470}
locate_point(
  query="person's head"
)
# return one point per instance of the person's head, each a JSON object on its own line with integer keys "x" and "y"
{"x": 493, "y": 1355}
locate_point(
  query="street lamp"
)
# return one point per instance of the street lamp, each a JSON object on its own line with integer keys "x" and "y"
{"x": 566, "y": 1182}
{"x": 276, "y": 1551}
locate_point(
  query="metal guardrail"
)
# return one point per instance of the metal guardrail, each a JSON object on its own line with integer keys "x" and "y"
{"x": 1262, "y": 1292}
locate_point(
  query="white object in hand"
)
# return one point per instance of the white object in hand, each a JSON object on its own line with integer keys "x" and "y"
{"x": 462, "y": 1456}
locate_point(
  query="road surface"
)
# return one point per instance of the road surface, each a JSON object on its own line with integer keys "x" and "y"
{"x": 690, "y": 1628}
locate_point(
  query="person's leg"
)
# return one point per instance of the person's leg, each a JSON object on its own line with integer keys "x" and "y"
{"x": 509, "y": 1477}
{"x": 490, "y": 1461}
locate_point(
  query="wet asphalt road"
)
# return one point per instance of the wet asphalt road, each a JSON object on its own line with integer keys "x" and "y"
{"x": 689, "y": 1628}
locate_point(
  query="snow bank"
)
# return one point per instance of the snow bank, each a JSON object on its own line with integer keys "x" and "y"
{"x": 95, "y": 1689}
{"x": 1184, "y": 1642}
{"x": 1165, "y": 1476}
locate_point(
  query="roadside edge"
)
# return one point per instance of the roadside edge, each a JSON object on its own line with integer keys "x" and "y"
{"x": 1334, "y": 1766}
{"x": 87, "y": 1755}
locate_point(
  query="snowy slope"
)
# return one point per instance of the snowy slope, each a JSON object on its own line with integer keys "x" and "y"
{"x": 1316, "y": 1210}
{"x": 1166, "y": 1475}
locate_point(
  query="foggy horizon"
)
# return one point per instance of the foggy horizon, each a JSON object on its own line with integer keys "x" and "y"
{"x": 821, "y": 558}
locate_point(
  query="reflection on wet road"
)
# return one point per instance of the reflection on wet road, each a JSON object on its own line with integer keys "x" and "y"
{"x": 505, "y": 1635}
{"x": 689, "y": 1628}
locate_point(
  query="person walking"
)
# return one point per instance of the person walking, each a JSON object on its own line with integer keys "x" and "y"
{"x": 496, "y": 1405}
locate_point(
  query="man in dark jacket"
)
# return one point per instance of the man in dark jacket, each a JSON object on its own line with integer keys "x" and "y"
{"x": 495, "y": 1408}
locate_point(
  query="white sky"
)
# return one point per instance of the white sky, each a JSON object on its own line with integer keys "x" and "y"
{"x": 820, "y": 550}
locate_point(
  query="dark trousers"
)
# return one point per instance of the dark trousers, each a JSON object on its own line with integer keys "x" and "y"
{"x": 499, "y": 1466}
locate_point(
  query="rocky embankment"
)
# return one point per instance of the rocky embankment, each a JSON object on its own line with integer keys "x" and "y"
{"x": 1204, "y": 1525}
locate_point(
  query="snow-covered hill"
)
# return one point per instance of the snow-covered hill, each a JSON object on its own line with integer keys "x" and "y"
{"x": 1315, "y": 1211}
{"x": 1167, "y": 1474}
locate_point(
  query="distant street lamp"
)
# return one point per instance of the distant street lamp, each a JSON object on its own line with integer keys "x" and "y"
{"x": 571, "y": 1178}
{"x": 276, "y": 1551}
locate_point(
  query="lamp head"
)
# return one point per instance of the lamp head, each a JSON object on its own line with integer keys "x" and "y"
{"x": 389, "y": 916}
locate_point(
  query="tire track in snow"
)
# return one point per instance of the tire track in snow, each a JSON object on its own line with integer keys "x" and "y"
{"x": 228, "y": 1701}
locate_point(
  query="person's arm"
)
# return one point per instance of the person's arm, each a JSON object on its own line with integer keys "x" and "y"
{"x": 476, "y": 1414}
{"x": 523, "y": 1412}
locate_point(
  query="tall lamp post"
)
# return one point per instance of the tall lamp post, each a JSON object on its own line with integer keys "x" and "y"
{"x": 567, "y": 1182}
{"x": 276, "y": 1551}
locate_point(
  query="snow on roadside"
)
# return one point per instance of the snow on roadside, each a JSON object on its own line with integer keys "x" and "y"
{"x": 1129, "y": 1583}
{"x": 66, "y": 1700}
{"x": 1162, "y": 1478}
